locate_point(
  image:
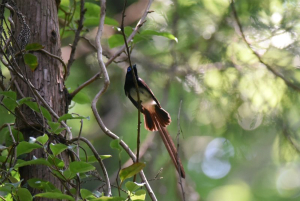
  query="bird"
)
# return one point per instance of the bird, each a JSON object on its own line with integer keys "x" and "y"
{"x": 155, "y": 117}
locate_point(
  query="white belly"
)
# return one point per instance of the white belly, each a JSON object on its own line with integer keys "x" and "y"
{"x": 145, "y": 96}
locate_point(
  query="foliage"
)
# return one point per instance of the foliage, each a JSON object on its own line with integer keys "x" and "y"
{"x": 239, "y": 116}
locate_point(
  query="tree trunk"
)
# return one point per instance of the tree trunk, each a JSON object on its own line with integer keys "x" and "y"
{"x": 41, "y": 16}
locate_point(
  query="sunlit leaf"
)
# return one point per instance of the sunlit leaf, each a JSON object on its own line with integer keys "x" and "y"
{"x": 42, "y": 139}
{"x": 132, "y": 186}
{"x": 155, "y": 33}
{"x": 139, "y": 195}
{"x": 131, "y": 170}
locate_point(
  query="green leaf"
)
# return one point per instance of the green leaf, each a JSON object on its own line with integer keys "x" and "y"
{"x": 108, "y": 199}
{"x": 115, "y": 40}
{"x": 42, "y": 185}
{"x": 128, "y": 31}
{"x": 115, "y": 145}
{"x": 31, "y": 60}
{"x": 42, "y": 139}
{"x": 69, "y": 174}
{"x": 139, "y": 195}
{"x": 81, "y": 167}
{"x": 57, "y": 148}
{"x": 59, "y": 130}
{"x": 131, "y": 170}
{"x": 23, "y": 100}
{"x": 56, "y": 161}
{"x": 24, "y": 194}
{"x": 11, "y": 105}
{"x": 82, "y": 98}
{"x": 54, "y": 195}
{"x": 34, "y": 106}
{"x": 53, "y": 125}
{"x": 155, "y": 33}
{"x": 70, "y": 116}
{"x": 132, "y": 186}
{"x": 86, "y": 194}
{"x": 39, "y": 161}
{"x": 26, "y": 147}
{"x": 9, "y": 94}
{"x": 92, "y": 16}
{"x": 92, "y": 158}
{"x": 34, "y": 46}
{"x": 10, "y": 99}
{"x": 58, "y": 174}
{"x": 110, "y": 21}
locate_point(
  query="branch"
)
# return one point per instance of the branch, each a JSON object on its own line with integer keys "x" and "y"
{"x": 118, "y": 53}
{"x": 136, "y": 88}
{"x": 101, "y": 92}
{"x": 77, "y": 37}
{"x": 106, "y": 78}
{"x": 277, "y": 74}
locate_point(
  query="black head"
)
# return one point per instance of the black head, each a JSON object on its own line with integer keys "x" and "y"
{"x": 129, "y": 71}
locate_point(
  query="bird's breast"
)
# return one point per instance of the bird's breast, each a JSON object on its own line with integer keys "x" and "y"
{"x": 145, "y": 96}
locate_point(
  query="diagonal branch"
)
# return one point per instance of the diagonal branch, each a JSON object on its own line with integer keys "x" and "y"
{"x": 136, "y": 87}
{"x": 77, "y": 37}
{"x": 100, "y": 93}
{"x": 277, "y": 74}
{"x": 118, "y": 53}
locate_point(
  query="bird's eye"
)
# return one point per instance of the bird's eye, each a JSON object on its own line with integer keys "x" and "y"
{"x": 128, "y": 69}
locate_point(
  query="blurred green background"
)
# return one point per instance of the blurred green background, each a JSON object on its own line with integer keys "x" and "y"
{"x": 239, "y": 121}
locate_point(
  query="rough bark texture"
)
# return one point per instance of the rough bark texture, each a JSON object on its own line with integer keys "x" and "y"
{"x": 41, "y": 16}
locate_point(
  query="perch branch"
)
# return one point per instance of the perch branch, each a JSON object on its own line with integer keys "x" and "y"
{"x": 118, "y": 53}
{"x": 95, "y": 100}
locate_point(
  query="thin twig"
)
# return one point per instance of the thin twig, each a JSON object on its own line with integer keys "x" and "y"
{"x": 14, "y": 146}
{"x": 58, "y": 58}
{"x": 106, "y": 80}
{"x": 77, "y": 37}
{"x": 95, "y": 100}
{"x": 136, "y": 88}
{"x": 177, "y": 157}
{"x": 277, "y": 74}
{"x": 118, "y": 53}
{"x": 89, "y": 144}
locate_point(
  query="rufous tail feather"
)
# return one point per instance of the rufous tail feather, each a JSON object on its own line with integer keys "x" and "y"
{"x": 165, "y": 136}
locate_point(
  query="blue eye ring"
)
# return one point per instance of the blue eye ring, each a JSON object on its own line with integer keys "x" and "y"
{"x": 128, "y": 69}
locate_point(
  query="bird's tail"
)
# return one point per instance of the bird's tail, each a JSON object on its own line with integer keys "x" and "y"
{"x": 156, "y": 119}
{"x": 156, "y": 113}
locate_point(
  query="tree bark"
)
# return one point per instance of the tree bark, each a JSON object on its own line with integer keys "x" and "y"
{"x": 41, "y": 16}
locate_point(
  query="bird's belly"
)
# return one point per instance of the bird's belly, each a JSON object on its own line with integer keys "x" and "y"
{"x": 145, "y": 96}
